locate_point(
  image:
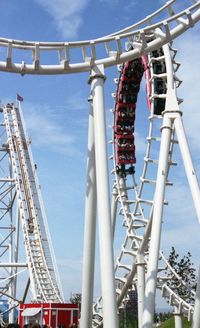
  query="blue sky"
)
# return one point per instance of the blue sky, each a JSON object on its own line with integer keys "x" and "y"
{"x": 56, "y": 114}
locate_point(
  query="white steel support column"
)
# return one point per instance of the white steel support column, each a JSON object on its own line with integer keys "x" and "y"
{"x": 89, "y": 231}
{"x": 16, "y": 247}
{"x": 11, "y": 253}
{"x": 110, "y": 318}
{"x": 178, "y": 319}
{"x": 151, "y": 277}
{"x": 196, "y": 315}
{"x": 140, "y": 287}
{"x": 114, "y": 209}
{"x": 189, "y": 168}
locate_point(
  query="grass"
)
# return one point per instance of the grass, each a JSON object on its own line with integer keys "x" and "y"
{"x": 169, "y": 323}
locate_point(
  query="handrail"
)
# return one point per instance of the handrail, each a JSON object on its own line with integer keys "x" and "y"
{"x": 144, "y": 40}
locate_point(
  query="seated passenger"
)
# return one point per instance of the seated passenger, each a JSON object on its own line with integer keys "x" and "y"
{"x": 130, "y": 112}
{"x": 160, "y": 86}
{"x": 159, "y": 67}
{"x": 159, "y": 106}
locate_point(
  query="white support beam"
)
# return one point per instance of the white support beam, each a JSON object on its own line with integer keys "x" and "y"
{"x": 196, "y": 316}
{"x": 114, "y": 204}
{"x": 178, "y": 318}
{"x": 13, "y": 265}
{"x": 89, "y": 230}
{"x": 140, "y": 287}
{"x": 164, "y": 32}
{"x": 110, "y": 318}
{"x": 187, "y": 161}
{"x": 151, "y": 278}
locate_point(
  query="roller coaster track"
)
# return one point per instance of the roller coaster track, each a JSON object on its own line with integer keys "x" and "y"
{"x": 44, "y": 281}
{"x": 108, "y": 51}
{"x": 135, "y": 209}
{"x": 150, "y": 51}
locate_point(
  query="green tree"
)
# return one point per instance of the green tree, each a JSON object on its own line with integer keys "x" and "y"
{"x": 76, "y": 299}
{"x": 185, "y": 270}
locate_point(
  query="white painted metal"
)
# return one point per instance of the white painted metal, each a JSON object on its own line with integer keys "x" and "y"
{"x": 140, "y": 287}
{"x": 164, "y": 31}
{"x": 196, "y": 316}
{"x": 8, "y": 226}
{"x": 140, "y": 243}
{"x": 178, "y": 319}
{"x": 145, "y": 37}
{"x": 163, "y": 167}
{"x": 16, "y": 249}
{"x": 169, "y": 294}
{"x": 42, "y": 219}
{"x": 90, "y": 230}
{"x": 189, "y": 168}
{"x": 151, "y": 278}
{"x": 114, "y": 209}
{"x": 11, "y": 257}
{"x": 13, "y": 264}
{"x": 110, "y": 319}
{"x": 39, "y": 254}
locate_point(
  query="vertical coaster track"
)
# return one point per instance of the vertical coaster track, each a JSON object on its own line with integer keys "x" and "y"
{"x": 44, "y": 280}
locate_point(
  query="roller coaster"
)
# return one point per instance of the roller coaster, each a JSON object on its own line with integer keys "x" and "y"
{"x": 145, "y": 48}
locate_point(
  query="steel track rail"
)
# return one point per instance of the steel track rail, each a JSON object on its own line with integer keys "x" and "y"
{"x": 90, "y": 52}
{"x": 137, "y": 220}
{"x": 42, "y": 220}
{"x": 44, "y": 283}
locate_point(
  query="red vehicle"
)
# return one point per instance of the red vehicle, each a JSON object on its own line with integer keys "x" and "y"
{"x": 54, "y": 315}
{"x": 126, "y": 98}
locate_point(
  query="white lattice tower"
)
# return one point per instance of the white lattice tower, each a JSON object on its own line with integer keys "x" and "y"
{"x": 22, "y": 210}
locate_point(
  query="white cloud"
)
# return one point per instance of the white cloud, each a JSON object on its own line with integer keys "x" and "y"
{"x": 66, "y": 15}
{"x": 47, "y": 133}
{"x": 77, "y": 101}
{"x": 126, "y": 6}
